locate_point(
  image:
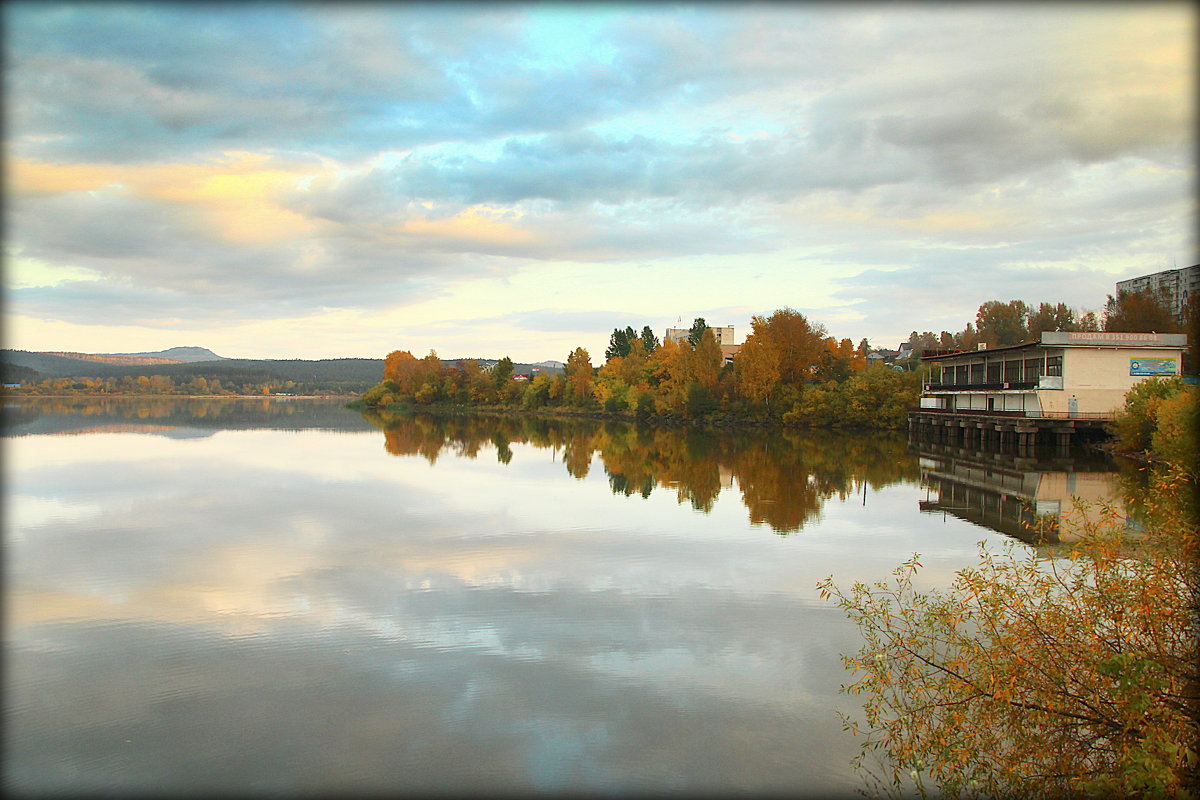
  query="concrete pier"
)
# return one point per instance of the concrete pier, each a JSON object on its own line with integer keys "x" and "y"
{"x": 1004, "y": 430}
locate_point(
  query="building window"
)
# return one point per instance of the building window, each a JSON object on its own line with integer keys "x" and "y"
{"x": 993, "y": 372}
{"x": 1012, "y": 371}
{"x": 1054, "y": 366}
{"x": 977, "y": 375}
{"x": 961, "y": 375}
{"x": 1033, "y": 369}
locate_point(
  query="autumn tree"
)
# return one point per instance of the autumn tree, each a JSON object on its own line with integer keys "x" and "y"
{"x": 781, "y": 351}
{"x": 705, "y": 360}
{"x": 477, "y": 386}
{"x": 921, "y": 342}
{"x": 400, "y": 368}
{"x": 579, "y": 376}
{"x": 967, "y": 338}
{"x": 1060, "y": 677}
{"x": 632, "y": 369}
{"x": 703, "y": 366}
{"x": 836, "y": 360}
{"x": 758, "y": 365}
{"x": 670, "y": 375}
{"x": 1050, "y": 317}
{"x": 1000, "y": 324}
{"x": 428, "y": 379}
{"x": 1139, "y": 312}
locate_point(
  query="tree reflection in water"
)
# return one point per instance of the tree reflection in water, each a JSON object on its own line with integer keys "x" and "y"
{"x": 784, "y": 476}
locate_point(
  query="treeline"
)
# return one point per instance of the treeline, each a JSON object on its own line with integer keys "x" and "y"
{"x": 784, "y": 477}
{"x": 998, "y": 324}
{"x": 788, "y": 371}
{"x": 344, "y": 376}
{"x": 260, "y": 384}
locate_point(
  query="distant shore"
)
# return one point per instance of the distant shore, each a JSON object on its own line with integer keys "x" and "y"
{"x": 559, "y": 412}
{"x": 7, "y": 395}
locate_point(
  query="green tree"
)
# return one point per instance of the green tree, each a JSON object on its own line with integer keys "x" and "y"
{"x": 649, "y": 340}
{"x": 619, "y": 343}
{"x": 1134, "y": 426}
{"x": 699, "y": 326}
{"x": 502, "y": 372}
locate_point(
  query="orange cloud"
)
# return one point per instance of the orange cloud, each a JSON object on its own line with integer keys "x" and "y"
{"x": 474, "y": 224}
{"x": 238, "y": 194}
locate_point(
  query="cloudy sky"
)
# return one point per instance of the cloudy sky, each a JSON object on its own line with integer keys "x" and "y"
{"x": 318, "y": 181}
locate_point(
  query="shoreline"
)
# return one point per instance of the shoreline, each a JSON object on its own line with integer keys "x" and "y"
{"x": 8, "y": 396}
{"x": 610, "y": 416}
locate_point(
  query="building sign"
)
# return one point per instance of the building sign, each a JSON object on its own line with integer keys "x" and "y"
{"x": 1105, "y": 336}
{"x": 1152, "y": 366}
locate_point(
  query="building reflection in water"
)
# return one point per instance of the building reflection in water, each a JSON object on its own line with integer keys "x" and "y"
{"x": 1029, "y": 497}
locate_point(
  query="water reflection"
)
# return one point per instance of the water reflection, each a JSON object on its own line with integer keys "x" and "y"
{"x": 1025, "y": 496}
{"x": 172, "y": 416}
{"x": 487, "y": 605}
{"x": 281, "y": 612}
{"x": 784, "y": 477}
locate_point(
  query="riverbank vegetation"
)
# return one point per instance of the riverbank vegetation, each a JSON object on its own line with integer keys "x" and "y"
{"x": 1160, "y": 420}
{"x": 788, "y": 371}
{"x": 1030, "y": 676}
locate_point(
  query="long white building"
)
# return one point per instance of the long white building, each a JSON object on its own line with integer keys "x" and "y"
{"x": 1065, "y": 374}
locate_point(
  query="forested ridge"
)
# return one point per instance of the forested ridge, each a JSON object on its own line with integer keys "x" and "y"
{"x": 59, "y": 375}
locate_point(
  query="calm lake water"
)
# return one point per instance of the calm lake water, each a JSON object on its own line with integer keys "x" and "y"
{"x": 286, "y": 597}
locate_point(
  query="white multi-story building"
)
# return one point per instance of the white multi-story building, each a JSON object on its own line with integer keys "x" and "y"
{"x": 677, "y": 335}
{"x": 1176, "y": 285}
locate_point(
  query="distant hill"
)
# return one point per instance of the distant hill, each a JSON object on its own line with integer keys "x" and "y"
{"x": 115, "y": 358}
{"x": 343, "y": 374}
{"x": 185, "y": 354}
{"x": 183, "y": 364}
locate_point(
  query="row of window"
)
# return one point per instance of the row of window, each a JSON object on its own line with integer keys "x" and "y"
{"x": 1014, "y": 371}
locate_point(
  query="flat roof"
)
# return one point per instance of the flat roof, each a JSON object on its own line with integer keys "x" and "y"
{"x": 1109, "y": 339}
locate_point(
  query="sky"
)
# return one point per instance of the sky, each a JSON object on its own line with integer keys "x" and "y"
{"x": 287, "y": 180}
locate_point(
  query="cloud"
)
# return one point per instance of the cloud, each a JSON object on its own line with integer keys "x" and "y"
{"x": 256, "y": 161}
{"x": 546, "y": 319}
{"x": 885, "y": 299}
